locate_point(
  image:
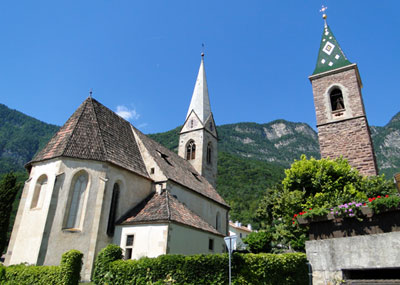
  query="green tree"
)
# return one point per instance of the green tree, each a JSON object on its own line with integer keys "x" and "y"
{"x": 312, "y": 183}
{"x": 8, "y": 191}
{"x": 259, "y": 241}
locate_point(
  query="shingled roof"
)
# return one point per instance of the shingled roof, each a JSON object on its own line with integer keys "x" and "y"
{"x": 179, "y": 169}
{"x": 165, "y": 208}
{"x": 95, "y": 132}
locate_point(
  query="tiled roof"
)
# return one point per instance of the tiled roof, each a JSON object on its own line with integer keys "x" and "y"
{"x": 243, "y": 228}
{"x": 95, "y": 132}
{"x": 165, "y": 207}
{"x": 179, "y": 169}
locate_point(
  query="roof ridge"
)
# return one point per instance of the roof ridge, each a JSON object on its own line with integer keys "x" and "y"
{"x": 74, "y": 128}
{"x": 98, "y": 125}
{"x": 168, "y": 210}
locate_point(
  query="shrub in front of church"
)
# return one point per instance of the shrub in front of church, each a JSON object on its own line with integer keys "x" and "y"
{"x": 208, "y": 269}
{"x": 107, "y": 255}
{"x": 71, "y": 265}
{"x": 68, "y": 273}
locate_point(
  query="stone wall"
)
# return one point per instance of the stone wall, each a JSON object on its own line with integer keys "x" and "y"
{"x": 351, "y": 139}
{"x": 330, "y": 257}
{"x": 343, "y": 132}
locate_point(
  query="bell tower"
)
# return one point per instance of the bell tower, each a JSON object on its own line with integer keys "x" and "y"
{"x": 198, "y": 137}
{"x": 341, "y": 119}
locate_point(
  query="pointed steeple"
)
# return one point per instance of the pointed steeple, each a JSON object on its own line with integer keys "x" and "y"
{"x": 330, "y": 55}
{"x": 200, "y": 102}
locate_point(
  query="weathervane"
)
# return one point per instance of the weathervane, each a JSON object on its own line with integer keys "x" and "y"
{"x": 90, "y": 92}
{"x": 323, "y": 9}
{"x": 202, "y": 49}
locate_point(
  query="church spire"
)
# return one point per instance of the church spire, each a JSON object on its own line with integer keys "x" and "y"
{"x": 330, "y": 55}
{"x": 200, "y": 102}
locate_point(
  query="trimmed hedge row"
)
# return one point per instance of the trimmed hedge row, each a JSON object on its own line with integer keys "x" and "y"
{"x": 68, "y": 273}
{"x": 262, "y": 268}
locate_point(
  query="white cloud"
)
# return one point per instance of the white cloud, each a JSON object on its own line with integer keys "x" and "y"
{"x": 127, "y": 114}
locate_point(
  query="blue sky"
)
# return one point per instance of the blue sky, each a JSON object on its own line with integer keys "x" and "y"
{"x": 142, "y": 57}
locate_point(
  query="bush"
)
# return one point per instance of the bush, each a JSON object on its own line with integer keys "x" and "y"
{"x": 68, "y": 273}
{"x": 2, "y": 273}
{"x": 207, "y": 269}
{"x": 71, "y": 265}
{"x": 259, "y": 242}
{"x": 107, "y": 255}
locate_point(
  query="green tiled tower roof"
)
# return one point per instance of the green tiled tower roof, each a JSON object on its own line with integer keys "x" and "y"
{"x": 330, "y": 55}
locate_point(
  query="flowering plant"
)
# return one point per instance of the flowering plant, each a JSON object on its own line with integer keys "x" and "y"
{"x": 352, "y": 209}
{"x": 379, "y": 203}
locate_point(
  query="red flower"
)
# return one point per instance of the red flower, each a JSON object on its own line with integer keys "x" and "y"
{"x": 295, "y": 215}
{"x": 365, "y": 204}
{"x": 386, "y": 196}
{"x": 310, "y": 209}
{"x": 379, "y": 197}
{"x": 373, "y": 198}
{"x": 370, "y": 199}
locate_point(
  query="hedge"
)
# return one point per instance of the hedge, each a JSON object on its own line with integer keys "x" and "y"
{"x": 68, "y": 273}
{"x": 262, "y": 268}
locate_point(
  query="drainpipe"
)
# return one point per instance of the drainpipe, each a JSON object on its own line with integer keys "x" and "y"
{"x": 309, "y": 273}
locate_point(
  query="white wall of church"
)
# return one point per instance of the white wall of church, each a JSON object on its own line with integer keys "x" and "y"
{"x": 149, "y": 240}
{"x": 205, "y": 208}
{"x": 185, "y": 240}
{"x": 27, "y": 238}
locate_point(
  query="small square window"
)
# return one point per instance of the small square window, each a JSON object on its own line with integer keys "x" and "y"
{"x": 152, "y": 170}
{"x": 129, "y": 240}
{"x": 211, "y": 244}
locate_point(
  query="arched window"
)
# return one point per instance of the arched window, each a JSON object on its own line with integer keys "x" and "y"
{"x": 39, "y": 193}
{"x": 113, "y": 210}
{"x": 209, "y": 152}
{"x": 191, "y": 150}
{"x": 211, "y": 126}
{"x": 336, "y": 97}
{"x": 218, "y": 221}
{"x": 76, "y": 207}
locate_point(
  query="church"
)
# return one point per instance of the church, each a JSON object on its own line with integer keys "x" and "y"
{"x": 99, "y": 180}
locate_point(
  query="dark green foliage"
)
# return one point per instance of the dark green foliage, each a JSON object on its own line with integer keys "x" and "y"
{"x": 259, "y": 242}
{"x": 2, "y": 273}
{"x": 208, "y": 269}
{"x": 381, "y": 204}
{"x": 107, "y": 255}
{"x": 243, "y": 182}
{"x": 314, "y": 184}
{"x": 169, "y": 139}
{"x": 8, "y": 192}
{"x": 68, "y": 273}
{"x": 71, "y": 265}
{"x": 21, "y": 137}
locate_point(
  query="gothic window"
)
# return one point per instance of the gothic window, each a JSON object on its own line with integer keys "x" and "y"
{"x": 209, "y": 152}
{"x": 129, "y": 246}
{"x": 76, "y": 206}
{"x": 39, "y": 192}
{"x": 191, "y": 124}
{"x": 113, "y": 210}
{"x": 211, "y": 244}
{"x": 190, "y": 150}
{"x": 211, "y": 126}
{"x": 337, "y": 102}
{"x": 218, "y": 222}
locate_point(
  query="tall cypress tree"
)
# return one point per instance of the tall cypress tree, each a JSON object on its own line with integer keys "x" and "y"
{"x": 8, "y": 192}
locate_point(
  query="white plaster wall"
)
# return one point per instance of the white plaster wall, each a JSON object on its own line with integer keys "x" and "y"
{"x": 28, "y": 238}
{"x": 186, "y": 240}
{"x": 149, "y": 240}
{"x": 205, "y": 208}
{"x": 239, "y": 240}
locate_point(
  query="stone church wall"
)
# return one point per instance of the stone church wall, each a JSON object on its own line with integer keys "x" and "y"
{"x": 203, "y": 207}
{"x": 351, "y": 139}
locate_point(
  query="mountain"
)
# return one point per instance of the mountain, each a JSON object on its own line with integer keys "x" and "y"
{"x": 387, "y": 146}
{"x": 20, "y": 138}
{"x": 252, "y": 156}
